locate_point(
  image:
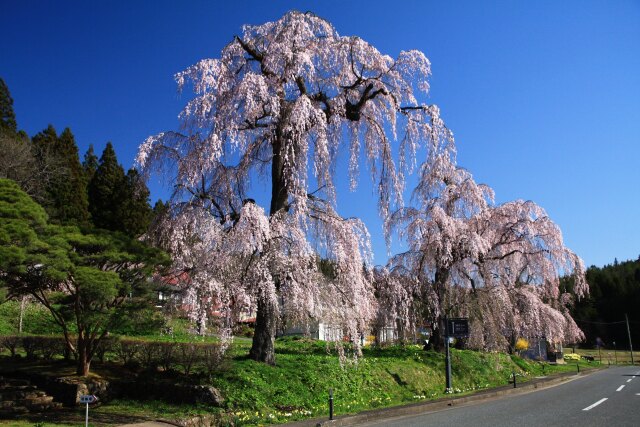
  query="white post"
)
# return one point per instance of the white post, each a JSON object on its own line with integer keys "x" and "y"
{"x": 86, "y": 418}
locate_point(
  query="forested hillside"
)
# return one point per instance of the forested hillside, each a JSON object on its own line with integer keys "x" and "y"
{"x": 615, "y": 291}
{"x": 93, "y": 192}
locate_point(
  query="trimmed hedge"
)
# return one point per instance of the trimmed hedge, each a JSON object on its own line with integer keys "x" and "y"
{"x": 182, "y": 356}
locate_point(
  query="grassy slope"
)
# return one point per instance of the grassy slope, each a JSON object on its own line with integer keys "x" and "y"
{"x": 36, "y": 320}
{"x": 297, "y": 387}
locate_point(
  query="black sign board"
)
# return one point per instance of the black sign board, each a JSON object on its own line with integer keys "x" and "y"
{"x": 458, "y": 327}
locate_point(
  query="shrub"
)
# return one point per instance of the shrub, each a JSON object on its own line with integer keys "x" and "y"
{"x": 522, "y": 344}
{"x": 127, "y": 351}
{"x": 189, "y": 354}
{"x": 106, "y": 345}
{"x": 11, "y": 343}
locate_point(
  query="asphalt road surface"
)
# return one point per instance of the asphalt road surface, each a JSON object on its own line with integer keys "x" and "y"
{"x": 610, "y": 398}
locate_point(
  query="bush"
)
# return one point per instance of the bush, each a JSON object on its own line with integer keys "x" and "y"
{"x": 11, "y": 343}
{"x": 522, "y": 344}
{"x": 34, "y": 346}
{"x": 134, "y": 353}
{"x": 146, "y": 321}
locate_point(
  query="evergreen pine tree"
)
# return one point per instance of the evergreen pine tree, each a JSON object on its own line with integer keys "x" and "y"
{"x": 44, "y": 141}
{"x": 106, "y": 191}
{"x": 66, "y": 200}
{"x": 43, "y": 148}
{"x": 160, "y": 209}
{"x": 135, "y": 212}
{"x": 70, "y": 194}
{"x": 7, "y": 115}
{"x": 90, "y": 163}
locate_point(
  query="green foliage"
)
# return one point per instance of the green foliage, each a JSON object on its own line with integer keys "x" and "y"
{"x": 90, "y": 163}
{"x": 105, "y": 191}
{"x": 91, "y": 279}
{"x": 142, "y": 322}
{"x": 28, "y": 245}
{"x": 614, "y": 291}
{"x": 7, "y": 115}
{"x": 66, "y": 200}
{"x": 36, "y": 319}
{"x": 117, "y": 202}
{"x": 135, "y": 213}
{"x": 70, "y": 194}
{"x": 298, "y": 385}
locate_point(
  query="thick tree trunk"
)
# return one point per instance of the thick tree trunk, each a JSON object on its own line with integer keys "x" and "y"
{"x": 84, "y": 358}
{"x": 262, "y": 348}
{"x": 437, "y": 337}
{"x": 279, "y": 194}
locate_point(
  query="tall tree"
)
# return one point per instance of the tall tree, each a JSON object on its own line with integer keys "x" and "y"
{"x": 501, "y": 265}
{"x": 134, "y": 211}
{"x": 105, "y": 191}
{"x": 18, "y": 163}
{"x": 90, "y": 163}
{"x": 7, "y": 115}
{"x": 117, "y": 202}
{"x": 276, "y": 105}
{"x": 66, "y": 200}
{"x": 69, "y": 193}
{"x": 615, "y": 291}
{"x": 91, "y": 280}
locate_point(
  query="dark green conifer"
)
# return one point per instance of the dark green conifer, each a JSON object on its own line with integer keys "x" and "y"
{"x": 135, "y": 212}
{"x": 66, "y": 201}
{"x": 106, "y": 191}
{"x": 70, "y": 193}
{"x": 160, "y": 209}
{"x": 90, "y": 163}
{"x": 7, "y": 115}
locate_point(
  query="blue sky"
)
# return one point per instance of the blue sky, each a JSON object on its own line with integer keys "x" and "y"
{"x": 543, "y": 97}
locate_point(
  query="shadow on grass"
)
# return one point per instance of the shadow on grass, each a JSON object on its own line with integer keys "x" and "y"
{"x": 76, "y": 416}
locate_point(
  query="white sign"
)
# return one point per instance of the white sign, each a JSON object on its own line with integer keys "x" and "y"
{"x": 88, "y": 398}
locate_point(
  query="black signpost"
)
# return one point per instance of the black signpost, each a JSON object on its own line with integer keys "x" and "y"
{"x": 457, "y": 327}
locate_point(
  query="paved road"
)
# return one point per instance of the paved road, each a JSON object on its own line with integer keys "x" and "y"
{"x": 610, "y": 398}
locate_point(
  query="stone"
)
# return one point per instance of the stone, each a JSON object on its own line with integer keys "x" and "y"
{"x": 207, "y": 395}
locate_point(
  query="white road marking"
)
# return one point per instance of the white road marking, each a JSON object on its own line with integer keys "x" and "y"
{"x": 629, "y": 380}
{"x": 620, "y": 388}
{"x": 595, "y": 404}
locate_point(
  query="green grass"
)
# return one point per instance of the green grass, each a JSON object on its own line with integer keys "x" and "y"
{"x": 36, "y": 319}
{"x": 305, "y": 370}
{"x": 298, "y": 386}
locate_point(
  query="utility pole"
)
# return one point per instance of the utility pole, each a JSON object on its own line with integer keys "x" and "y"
{"x": 629, "y": 333}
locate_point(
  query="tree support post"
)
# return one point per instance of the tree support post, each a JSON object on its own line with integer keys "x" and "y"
{"x": 330, "y": 404}
{"x": 629, "y": 334}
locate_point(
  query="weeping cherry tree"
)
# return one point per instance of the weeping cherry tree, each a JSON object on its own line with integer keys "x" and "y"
{"x": 500, "y": 265}
{"x": 282, "y": 102}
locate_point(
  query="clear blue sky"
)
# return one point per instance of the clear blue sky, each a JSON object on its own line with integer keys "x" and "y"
{"x": 543, "y": 97}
